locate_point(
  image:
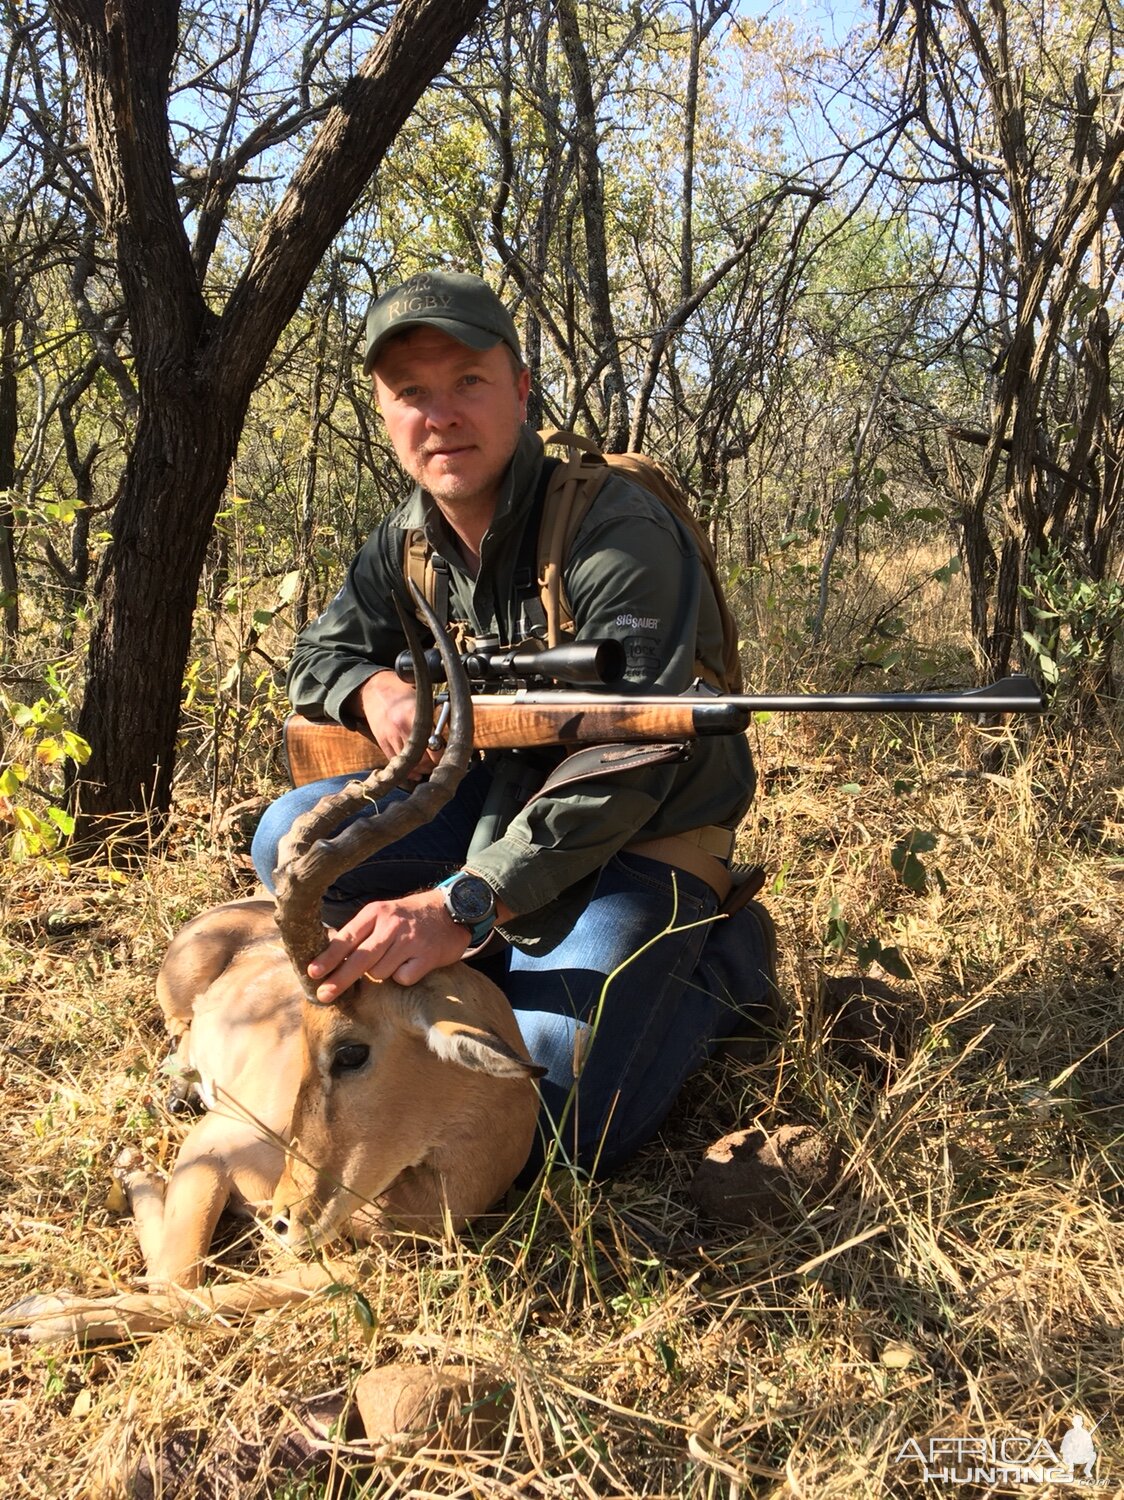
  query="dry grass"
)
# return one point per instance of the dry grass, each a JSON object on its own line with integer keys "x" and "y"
{"x": 966, "y": 1278}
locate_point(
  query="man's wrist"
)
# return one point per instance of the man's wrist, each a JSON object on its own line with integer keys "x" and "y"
{"x": 356, "y": 701}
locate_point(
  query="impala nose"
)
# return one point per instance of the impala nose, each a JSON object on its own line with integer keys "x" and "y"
{"x": 282, "y": 1224}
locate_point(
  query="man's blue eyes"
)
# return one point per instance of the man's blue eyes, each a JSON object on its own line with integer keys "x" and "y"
{"x": 408, "y": 392}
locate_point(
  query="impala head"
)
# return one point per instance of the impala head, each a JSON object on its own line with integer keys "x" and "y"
{"x": 431, "y": 1079}
{"x": 396, "y": 1081}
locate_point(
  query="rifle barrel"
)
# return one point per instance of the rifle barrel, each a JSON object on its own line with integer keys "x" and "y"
{"x": 720, "y": 714}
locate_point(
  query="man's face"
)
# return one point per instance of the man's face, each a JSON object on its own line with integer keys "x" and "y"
{"x": 452, "y": 413}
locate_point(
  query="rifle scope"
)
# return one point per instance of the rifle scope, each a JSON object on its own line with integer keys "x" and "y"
{"x": 580, "y": 663}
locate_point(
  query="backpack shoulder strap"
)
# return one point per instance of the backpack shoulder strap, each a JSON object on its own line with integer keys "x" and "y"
{"x": 426, "y": 571}
{"x": 573, "y": 487}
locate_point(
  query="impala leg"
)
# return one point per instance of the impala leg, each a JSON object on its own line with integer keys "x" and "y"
{"x": 221, "y": 1159}
{"x": 145, "y": 1192}
{"x": 195, "y": 1196}
{"x": 51, "y": 1319}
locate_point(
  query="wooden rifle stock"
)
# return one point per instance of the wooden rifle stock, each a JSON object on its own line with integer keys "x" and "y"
{"x": 509, "y": 720}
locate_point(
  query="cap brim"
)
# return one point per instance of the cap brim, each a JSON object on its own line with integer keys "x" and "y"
{"x": 464, "y": 333}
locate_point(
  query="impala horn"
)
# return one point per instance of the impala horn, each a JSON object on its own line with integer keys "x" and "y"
{"x": 317, "y": 850}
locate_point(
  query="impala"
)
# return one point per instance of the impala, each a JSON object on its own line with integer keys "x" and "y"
{"x": 395, "y": 1108}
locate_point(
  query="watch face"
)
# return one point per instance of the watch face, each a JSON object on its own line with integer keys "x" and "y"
{"x": 471, "y": 899}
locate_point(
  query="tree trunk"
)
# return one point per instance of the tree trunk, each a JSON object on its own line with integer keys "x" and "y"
{"x": 9, "y": 578}
{"x": 142, "y": 632}
{"x": 591, "y": 187}
{"x": 195, "y": 372}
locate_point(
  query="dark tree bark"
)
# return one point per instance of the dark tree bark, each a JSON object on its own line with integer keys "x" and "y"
{"x": 195, "y": 370}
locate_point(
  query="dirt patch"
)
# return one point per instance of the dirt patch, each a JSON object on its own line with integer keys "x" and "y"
{"x": 749, "y": 1178}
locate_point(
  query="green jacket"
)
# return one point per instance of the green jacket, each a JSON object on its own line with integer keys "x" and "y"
{"x": 633, "y": 575}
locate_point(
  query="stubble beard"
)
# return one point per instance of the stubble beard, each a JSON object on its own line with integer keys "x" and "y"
{"x": 461, "y": 493}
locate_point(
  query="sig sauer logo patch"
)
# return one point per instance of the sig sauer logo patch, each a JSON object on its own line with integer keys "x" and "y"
{"x": 642, "y": 658}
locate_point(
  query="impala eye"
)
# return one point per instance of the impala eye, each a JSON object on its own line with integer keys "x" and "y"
{"x": 349, "y": 1058}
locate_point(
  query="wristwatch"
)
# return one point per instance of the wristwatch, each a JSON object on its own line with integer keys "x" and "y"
{"x": 471, "y": 903}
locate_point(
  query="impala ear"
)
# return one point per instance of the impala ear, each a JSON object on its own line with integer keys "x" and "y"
{"x": 482, "y": 1051}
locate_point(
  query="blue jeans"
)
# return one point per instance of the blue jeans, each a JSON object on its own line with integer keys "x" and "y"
{"x": 620, "y": 1012}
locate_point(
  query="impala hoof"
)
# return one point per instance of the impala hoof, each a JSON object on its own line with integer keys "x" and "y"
{"x": 47, "y": 1319}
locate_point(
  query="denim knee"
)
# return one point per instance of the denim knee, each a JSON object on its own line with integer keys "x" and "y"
{"x": 275, "y": 823}
{"x": 280, "y": 816}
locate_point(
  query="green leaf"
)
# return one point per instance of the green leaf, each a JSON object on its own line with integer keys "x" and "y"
{"x": 364, "y": 1311}
{"x": 46, "y": 717}
{"x": 76, "y": 747}
{"x": 29, "y": 821}
{"x": 895, "y": 963}
{"x": 890, "y": 959}
{"x": 920, "y": 841}
{"x": 877, "y": 510}
{"x": 837, "y": 933}
{"x": 289, "y": 587}
{"x": 904, "y": 858}
{"x": 925, "y": 666}
{"x": 62, "y": 820}
{"x": 62, "y": 510}
{"x": 867, "y": 953}
{"x": 11, "y": 778}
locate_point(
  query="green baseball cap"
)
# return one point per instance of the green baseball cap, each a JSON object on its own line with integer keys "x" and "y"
{"x": 460, "y": 305}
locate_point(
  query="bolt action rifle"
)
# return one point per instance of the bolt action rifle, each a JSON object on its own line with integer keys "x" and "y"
{"x": 517, "y": 702}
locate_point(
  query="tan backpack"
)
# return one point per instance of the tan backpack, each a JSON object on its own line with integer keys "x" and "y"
{"x": 572, "y": 489}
